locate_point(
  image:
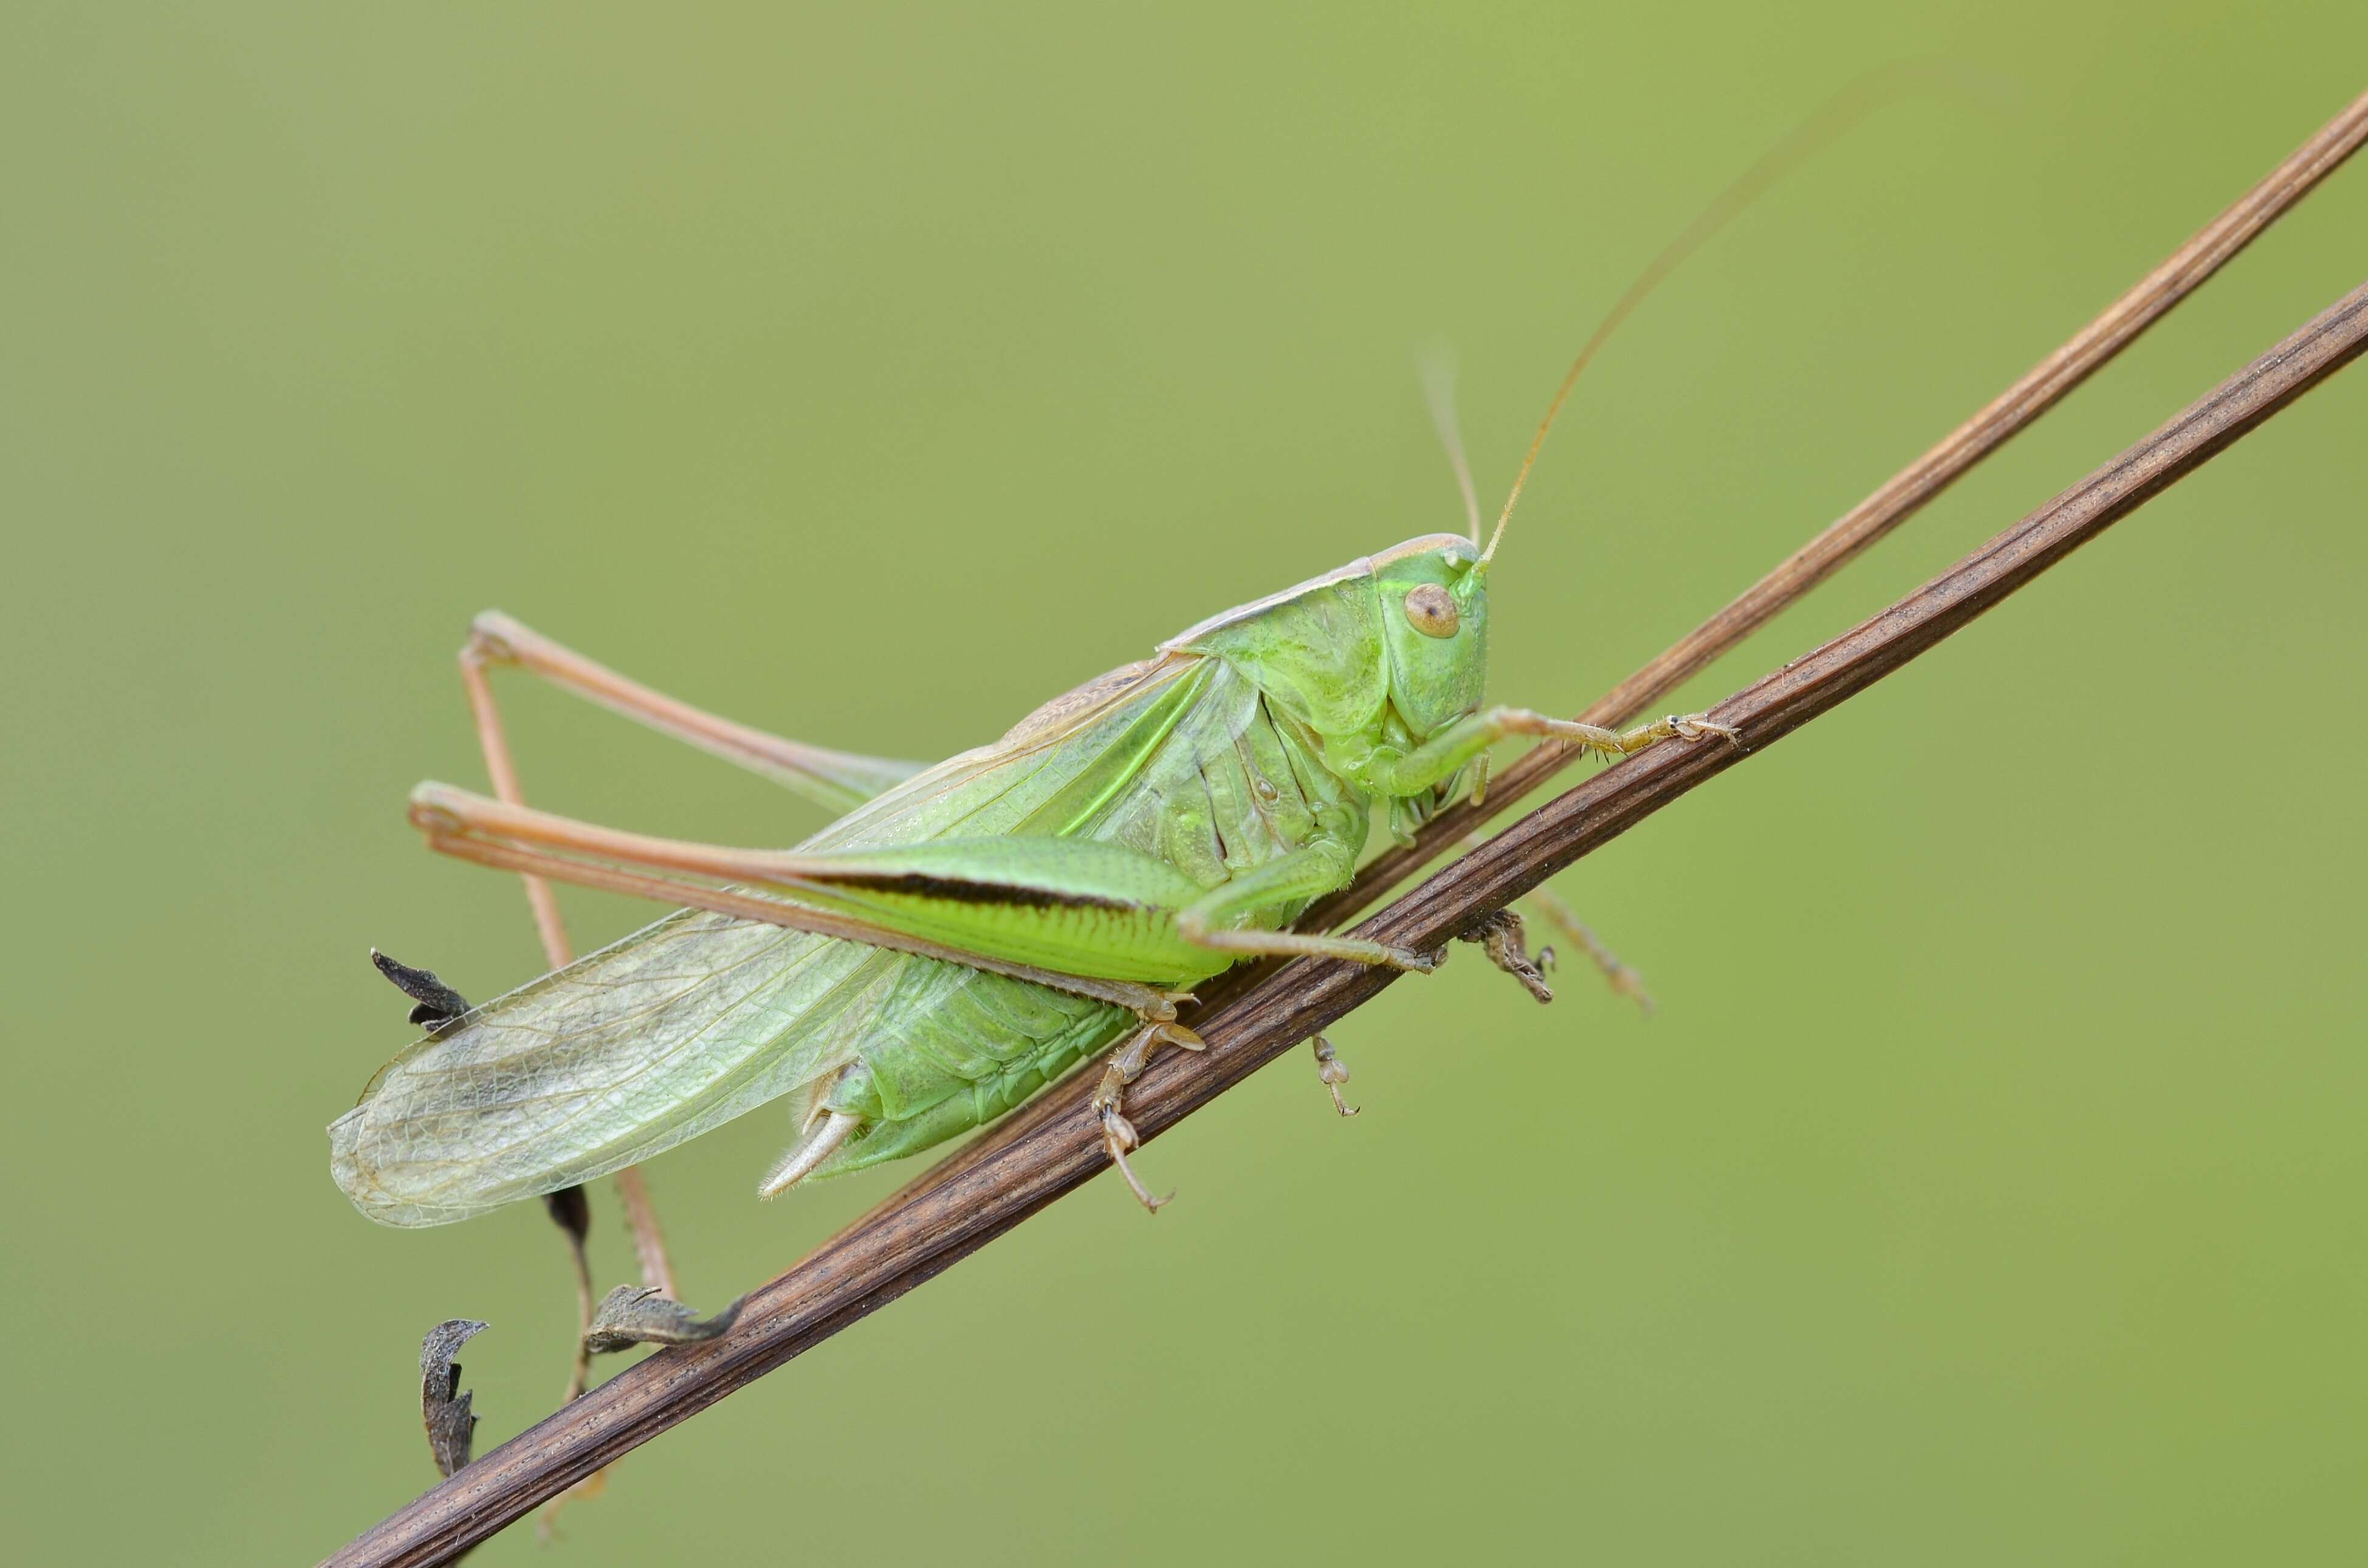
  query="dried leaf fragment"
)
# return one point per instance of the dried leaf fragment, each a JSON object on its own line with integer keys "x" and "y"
{"x": 452, "y": 1424}
{"x": 637, "y": 1314}
{"x": 572, "y": 1212}
{"x": 438, "y": 1003}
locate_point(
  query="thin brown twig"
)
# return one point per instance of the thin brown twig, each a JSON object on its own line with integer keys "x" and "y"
{"x": 1906, "y": 492}
{"x": 649, "y": 1242}
{"x": 569, "y": 1209}
{"x": 1053, "y": 1146}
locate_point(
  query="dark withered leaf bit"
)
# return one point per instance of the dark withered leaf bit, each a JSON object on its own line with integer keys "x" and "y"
{"x": 452, "y": 1424}
{"x": 437, "y": 1003}
{"x": 635, "y": 1314}
{"x": 572, "y": 1212}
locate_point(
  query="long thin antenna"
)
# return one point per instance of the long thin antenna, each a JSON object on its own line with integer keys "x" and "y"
{"x": 1840, "y": 113}
{"x": 1438, "y": 366}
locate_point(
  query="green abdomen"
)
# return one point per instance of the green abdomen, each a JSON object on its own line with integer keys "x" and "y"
{"x": 951, "y": 1048}
{"x": 964, "y": 1047}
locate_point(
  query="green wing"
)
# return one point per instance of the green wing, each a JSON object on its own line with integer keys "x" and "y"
{"x": 697, "y": 1018}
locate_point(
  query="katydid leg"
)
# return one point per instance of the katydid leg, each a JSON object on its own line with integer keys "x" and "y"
{"x": 1331, "y": 1072}
{"x": 1500, "y": 937}
{"x": 1126, "y": 1064}
{"x": 491, "y": 833}
{"x": 836, "y": 780}
{"x": 1550, "y": 908}
{"x": 1622, "y": 980}
{"x": 460, "y": 823}
{"x": 494, "y": 741}
{"x": 1439, "y": 758}
{"x": 1308, "y": 872}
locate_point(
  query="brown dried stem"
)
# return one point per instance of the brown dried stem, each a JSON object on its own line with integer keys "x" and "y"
{"x": 1053, "y": 1145}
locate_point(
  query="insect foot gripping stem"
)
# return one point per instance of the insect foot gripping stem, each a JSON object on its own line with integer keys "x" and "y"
{"x": 1500, "y": 937}
{"x": 1618, "y": 743}
{"x": 1331, "y": 1072}
{"x": 1693, "y": 727}
{"x": 1126, "y": 1064}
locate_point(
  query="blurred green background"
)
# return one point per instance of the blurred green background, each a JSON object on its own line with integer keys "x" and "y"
{"x": 1989, "y": 1185}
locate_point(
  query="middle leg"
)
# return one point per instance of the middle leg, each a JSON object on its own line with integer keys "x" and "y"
{"x": 1310, "y": 871}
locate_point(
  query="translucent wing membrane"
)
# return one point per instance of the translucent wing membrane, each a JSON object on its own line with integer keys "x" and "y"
{"x": 701, "y": 1017}
{"x": 667, "y": 1034}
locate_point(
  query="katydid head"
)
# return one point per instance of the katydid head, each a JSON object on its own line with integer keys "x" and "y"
{"x": 1434, "y": 612}
{"x": 1405, "y": 631}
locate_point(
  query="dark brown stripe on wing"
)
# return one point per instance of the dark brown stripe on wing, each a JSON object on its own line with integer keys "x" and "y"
{"x": 960, "y": 892}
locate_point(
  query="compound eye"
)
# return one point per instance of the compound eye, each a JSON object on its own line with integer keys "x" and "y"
{"x": 1430, "y": 610}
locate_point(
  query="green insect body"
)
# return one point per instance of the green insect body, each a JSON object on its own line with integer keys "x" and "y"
{"x": 1130, "y": 831}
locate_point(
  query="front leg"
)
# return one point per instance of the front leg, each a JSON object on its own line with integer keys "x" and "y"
{"x": 1439, "y": 758}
